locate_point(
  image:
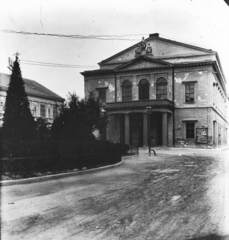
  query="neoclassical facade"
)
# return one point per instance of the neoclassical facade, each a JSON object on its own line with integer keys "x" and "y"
{"x": 163, "y": 93}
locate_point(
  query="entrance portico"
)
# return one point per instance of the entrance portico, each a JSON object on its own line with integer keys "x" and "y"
{"x": 136, "y": 127}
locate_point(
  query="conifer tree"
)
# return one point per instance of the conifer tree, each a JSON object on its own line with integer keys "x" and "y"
{"x": 18, "y": 123}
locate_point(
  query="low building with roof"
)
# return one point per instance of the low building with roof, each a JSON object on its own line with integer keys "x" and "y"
{"x": 161, "y": 92}
{"x": 43, "y": 102}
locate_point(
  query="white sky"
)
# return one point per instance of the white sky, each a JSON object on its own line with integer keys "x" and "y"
{"x": 200, "y": 22}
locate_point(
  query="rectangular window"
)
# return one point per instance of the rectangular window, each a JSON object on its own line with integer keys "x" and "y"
{"x": 102, "y": 95}
{"x": 42, "y": 111}
{"x": 54, "y": 111}
{"x": 190, "y": 130}
{"x": 189, "y": 93}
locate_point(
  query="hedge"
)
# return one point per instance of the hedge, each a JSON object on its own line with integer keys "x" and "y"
{"x": 62, "y": 156}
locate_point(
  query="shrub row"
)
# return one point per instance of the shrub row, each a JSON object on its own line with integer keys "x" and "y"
{"x": 59, "y": 156}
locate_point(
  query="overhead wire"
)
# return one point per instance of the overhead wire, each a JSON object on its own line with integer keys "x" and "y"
{"x": 185, "y": 42}
{"x": 48, "y": 64}
{"x": 78, "y": 36}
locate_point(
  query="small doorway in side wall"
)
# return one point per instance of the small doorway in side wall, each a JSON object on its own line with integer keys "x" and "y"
{"x": 214, "y": 133}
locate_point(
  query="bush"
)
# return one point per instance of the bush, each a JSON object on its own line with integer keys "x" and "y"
{"x": 121, "y": 148}
{"x": 60, "y": 156}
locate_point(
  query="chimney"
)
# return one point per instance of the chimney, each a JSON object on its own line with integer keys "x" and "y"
{"x": 154, "y": 35}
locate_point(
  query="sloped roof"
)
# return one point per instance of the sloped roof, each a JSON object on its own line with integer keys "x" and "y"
{"x": 32, "y": 88}
{"x": 155, "y": 38}
{"x": 187, "y": 60}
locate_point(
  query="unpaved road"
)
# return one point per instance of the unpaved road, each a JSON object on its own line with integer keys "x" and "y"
{"x": 175, "y": 196}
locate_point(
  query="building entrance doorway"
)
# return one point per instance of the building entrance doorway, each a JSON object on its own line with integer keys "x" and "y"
{"x": 156, "y": 129}
{"x": 136, "y": 130}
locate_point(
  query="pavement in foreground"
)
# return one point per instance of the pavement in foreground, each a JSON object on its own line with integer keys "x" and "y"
{"x": 176, "y": 195}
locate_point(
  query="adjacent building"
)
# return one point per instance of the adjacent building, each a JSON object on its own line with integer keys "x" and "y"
{"x": 43, "y": 102}
{"x": 163, "y": 93}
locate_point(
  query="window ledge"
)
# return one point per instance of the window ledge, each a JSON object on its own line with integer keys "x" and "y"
{"x": 184, "y": 82}
{"x": 100, "y": 88}
{"x": 190, "y": 103}
{"x": 190, "y": 120}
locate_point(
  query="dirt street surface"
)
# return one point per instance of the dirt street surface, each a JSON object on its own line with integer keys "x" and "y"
{"x": 182, "y": 194}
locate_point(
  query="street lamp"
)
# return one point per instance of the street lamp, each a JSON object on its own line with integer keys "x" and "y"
{"x": 149, "y": 111}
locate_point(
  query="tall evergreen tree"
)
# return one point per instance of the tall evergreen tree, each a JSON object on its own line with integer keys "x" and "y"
{"x": 18, "y": 122}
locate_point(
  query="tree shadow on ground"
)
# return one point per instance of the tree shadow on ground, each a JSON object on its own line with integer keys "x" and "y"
{"x": 211, "y": 237}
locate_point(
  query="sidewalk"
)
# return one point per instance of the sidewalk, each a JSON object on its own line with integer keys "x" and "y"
{"x": 176, "y": 149}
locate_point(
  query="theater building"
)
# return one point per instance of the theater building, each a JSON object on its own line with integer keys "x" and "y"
{"x": 163, "y": 93}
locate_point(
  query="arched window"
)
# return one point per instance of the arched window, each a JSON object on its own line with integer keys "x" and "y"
{"x": 143, "y": 89}
{"x": 126, "y": 91}
{"x": 161, "y": 88}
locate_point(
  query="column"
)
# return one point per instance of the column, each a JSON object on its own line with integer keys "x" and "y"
{"x": 127, "y": 129}
{"x": 145, "y": 129}
{"x": 170, "y": 130}
{"x": 164, "y": 129}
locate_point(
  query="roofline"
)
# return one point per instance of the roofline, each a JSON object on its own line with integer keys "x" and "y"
{"x": 44, "y": 97}
{"x": 99, "y": 71}
{"x": 125, "y": 50}
{"x": 158, "y": 38}
{"x": 34, "y": 94}
{"x": 218, "y": 72}
{"x": 185, "y": 44}
{"x": 187, "y": 56}
{"x": 218, "y": 59}
{"x": 143, "y": 57}
{"x": 163, "y": 58}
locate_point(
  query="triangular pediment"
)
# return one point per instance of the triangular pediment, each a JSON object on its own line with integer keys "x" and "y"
{"x": 142, "y": 62}
{"x": 160, "y": 48}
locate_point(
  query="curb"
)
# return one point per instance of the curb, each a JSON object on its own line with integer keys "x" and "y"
{"x": 130, "y": 156}
{"x": 55, "y": 176}
{"x": 168, "y": 149}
